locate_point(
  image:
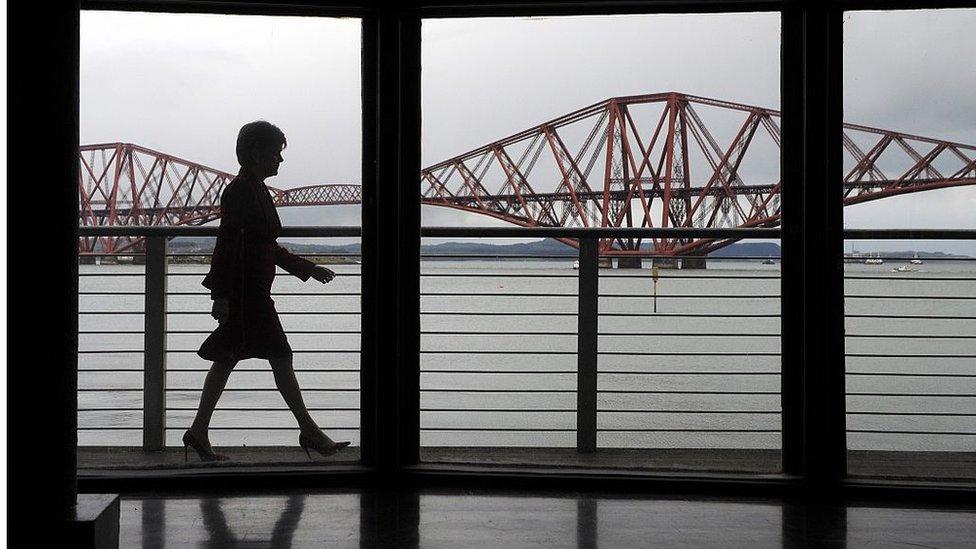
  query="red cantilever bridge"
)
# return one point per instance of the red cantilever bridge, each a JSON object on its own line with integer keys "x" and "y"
{"x": 638, "y": 161}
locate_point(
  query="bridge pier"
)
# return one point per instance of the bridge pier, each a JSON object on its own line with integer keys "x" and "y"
{"x": 665, "y": 262}
{"x": 679, "y": 262}
{"x": 629, "y": 263}
{"x": 693, "y": 263}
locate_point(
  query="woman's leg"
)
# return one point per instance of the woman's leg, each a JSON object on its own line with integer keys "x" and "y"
{"x": 213, "y": 386}
{"x": 287, "y": 383}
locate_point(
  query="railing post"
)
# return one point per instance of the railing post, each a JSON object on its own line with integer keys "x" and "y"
{"x": 154, "y": 361}
{"x": 586, "y": 341}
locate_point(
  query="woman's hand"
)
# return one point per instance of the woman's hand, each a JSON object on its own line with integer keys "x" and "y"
{"x": 322, "y": 274}
{"x": 220, "y": 310}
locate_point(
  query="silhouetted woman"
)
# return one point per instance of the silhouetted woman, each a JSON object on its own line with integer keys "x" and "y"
{"x": 240, "y": 277}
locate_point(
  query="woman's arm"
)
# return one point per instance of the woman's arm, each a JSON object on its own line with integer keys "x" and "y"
{"x": 295, "y": 265}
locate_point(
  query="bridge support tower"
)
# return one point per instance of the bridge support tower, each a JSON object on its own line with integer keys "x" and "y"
{"x": 629, "y": 263}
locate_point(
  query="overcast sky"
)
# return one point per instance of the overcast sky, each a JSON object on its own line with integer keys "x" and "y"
{"x": 184, "y": 84}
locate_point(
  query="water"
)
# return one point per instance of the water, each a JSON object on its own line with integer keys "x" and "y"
{"x": 540, "y": 355}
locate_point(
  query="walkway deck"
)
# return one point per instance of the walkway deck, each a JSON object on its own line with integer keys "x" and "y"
{"x": 98, "y": 461}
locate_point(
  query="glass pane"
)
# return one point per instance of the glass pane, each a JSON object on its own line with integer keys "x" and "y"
{"x": 163, "y": 99}
{"x": 910, "y": 163}
{"x": 619, "y": 121}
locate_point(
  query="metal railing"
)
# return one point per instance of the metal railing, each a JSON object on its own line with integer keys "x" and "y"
{"x": 583, "y": 395}
{"x": 564, "y": 390}
{"x": 156, "y": 314}
{"x": 155, "y": 397}
{"x": 910, "y": 347}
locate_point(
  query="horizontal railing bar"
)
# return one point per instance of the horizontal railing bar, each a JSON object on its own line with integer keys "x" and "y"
{"x": 503, "y": 410}
{"x": 297, "y": 351}
{"x": 625, "y": 353}
{"x": 659, "y": 392}
{"x": 951, "y": 414}
{"x": 466, "y": 333}
{"x": 693, "y": 315}
{"x": 926, "y": 297}
{"x": 682, "y": 353}
{"x": 497, "y": 352}
{"x": 901, "y": 259}
{"x": 100, "y": 275}
{"x": 263, "y": 389}
{"x": 916, "y": 278}
{"x": 685, "y": 334}
{"x": 111, "y": 332}
{"x": 900, "y": 374}
{"x": 497, "y": 313}
{"x": 335, "y": 332}
{"x": 573, "y": 429}
{"x": 883, "y": 355}
{"x": 179, "y": 370}
{"x": 939, "y": 433}
{"x": 912, "y": 336}
{"x": 686, "y": 373}
{"x": 282, "y": 294}
{"x": 278, "y": 409}
{"x": 495, "y": 275}
{"x": 680, "y": 430}
{"x": 183, "y": 351}
{"x": 909, "y": 234}
{"x": 629, "y": 411}
{"x": 322, "y": 313}
{"x": 202, "y": 274}
{"x": 493, "y": 294}
{"x": 916, "y": 395}
{"x": 693, "y": 296}
{"x": 916, "y": 317}
{"x": 626, "y": 372}
{"x": 222, "y": 408}
{"x": 644, "y": 254}
{"x": 644, "y": 274}
{"x": 504, "y": 429}
{"x": 456, "y": 390}
{"x": 114, "y": 312}
{"x": 246, "y": 428}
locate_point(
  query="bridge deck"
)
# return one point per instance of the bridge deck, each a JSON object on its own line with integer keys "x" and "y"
{"x": 100, "y": 460}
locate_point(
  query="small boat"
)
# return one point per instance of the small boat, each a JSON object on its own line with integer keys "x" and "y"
{"x": 904, "y": 269}
{"x": 915, "y": 260}
{"x": 768, "y": 261}
{"x": 873, "y": 261}
{"x": 576, "y": 264}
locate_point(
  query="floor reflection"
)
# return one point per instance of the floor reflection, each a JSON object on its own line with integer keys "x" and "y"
{"x": 453, "y": 519}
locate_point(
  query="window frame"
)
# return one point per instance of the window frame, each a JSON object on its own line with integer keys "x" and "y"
{"x": 812, "y": 340}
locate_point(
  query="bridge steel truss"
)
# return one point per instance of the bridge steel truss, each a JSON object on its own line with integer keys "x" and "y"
{"x": 637, "y": 161}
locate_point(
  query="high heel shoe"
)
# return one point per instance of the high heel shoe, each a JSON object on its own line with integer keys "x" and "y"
{"x": 325, "y": 449}
{"x": 206, "y": 454}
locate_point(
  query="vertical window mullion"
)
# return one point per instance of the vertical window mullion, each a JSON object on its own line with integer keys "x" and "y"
{"x": 822, "y": 250}
{"x": 791, "y": 173}
{"x": 391, "y": 239}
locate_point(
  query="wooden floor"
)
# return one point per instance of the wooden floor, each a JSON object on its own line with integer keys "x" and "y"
{"x": 98, "y": 461}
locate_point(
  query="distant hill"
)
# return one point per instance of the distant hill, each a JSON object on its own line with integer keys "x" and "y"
{"x": 545, "y": 247}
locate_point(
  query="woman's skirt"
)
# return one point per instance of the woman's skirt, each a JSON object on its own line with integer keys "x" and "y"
{"x": 251, "y": 330}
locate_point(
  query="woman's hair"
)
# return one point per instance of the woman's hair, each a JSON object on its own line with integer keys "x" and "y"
{"x": 257, "y": 135}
